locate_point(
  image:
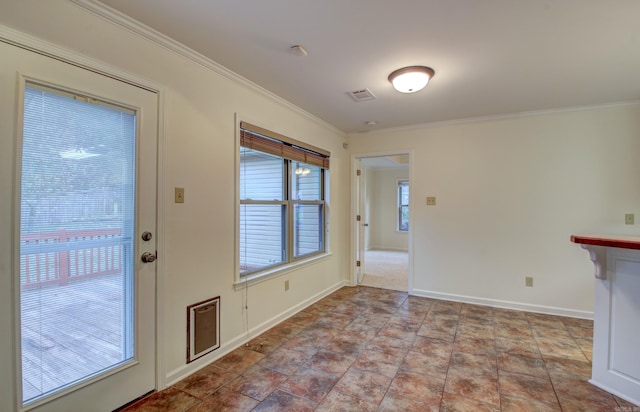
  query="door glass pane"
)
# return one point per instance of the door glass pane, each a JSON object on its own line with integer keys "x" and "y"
{"x": 76, "y": 232}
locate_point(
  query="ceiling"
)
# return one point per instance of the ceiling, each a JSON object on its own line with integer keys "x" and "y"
{"x": 491, "y": 57}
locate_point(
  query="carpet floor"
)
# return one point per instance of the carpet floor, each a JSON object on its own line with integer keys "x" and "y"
{"x": 386, "y": 269}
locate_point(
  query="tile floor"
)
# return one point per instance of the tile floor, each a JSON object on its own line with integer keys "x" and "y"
{"x": 368, "y": 349}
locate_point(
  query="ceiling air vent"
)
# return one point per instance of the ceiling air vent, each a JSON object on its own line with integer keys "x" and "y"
{"x": 362, "y": 95}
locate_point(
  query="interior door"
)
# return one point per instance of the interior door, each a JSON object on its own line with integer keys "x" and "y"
{"x": 86, "y": 168}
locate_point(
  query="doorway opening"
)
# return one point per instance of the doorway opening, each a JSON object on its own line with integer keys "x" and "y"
{"x": 382, "y": 238}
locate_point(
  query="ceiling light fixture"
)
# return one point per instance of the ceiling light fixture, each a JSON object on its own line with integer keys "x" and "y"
{"x": 77, "y": 154}
{"x": 302, "y": 171}
{"x": 411, "y": 79}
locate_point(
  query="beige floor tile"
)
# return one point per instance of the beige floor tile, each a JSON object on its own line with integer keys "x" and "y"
{"x": 363, "y": 385}
{"x": 418, "y": 386}
{"x": 456, "y": 403}
{"x": 527, "y": 387}
{"x": 481, "y": 388}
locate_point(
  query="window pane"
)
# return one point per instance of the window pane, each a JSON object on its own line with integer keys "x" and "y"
{"x": 261, "y": 176}
{"x": 306, "y": 182}
{"x": 403, "y": 205}
{"x": 307, "y": 233}
{"x": 403, "y": 193}
{"x": 262, "y": 236}
{"x": 403, "y": 222}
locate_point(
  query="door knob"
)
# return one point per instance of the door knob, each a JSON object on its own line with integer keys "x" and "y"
{"x": 146, "y": 236}
{"x": 148, "y": 257}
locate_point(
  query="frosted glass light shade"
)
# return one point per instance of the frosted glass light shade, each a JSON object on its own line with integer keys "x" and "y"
{"x": 411, "y": 79}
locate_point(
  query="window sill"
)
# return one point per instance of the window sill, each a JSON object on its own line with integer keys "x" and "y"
{"x": 260, "y": 277}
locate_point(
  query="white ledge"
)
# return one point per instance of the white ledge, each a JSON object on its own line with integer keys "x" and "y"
{"x": 254, "y": 279}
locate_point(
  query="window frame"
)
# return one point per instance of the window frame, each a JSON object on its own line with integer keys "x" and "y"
{"x": 290, "y": 204}
{"x": 400, "y": 183}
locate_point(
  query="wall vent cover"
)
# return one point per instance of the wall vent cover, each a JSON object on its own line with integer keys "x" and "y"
{"x": 362, "y": 95}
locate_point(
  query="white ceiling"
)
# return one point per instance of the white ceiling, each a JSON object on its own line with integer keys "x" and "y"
{"x": 491, "y": 57}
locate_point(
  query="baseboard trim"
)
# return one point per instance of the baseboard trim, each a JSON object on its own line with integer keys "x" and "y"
{"x": 186, "y": 370}
{"x": 635, "y": 401}
{"x": 504, "y": 304}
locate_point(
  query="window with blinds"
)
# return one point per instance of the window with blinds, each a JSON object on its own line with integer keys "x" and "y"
{"x": 282, "y": 199}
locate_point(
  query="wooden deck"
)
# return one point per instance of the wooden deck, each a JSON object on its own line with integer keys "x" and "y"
{"x": 70, "y": 332}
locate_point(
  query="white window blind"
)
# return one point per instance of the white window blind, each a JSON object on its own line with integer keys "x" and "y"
{"x": 76, "y": 229}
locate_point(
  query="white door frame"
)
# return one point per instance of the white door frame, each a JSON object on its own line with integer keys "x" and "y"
{"x": 355, "y": 225}
{"x": 54, "y": 51}
{"x": 362, "y": 224}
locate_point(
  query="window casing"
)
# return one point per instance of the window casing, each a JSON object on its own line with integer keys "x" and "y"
{"x": 282, "y": 201}
{"x": 403, "y": 205}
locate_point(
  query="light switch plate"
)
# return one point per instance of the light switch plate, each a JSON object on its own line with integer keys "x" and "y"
{"x": 629, "y": 219}
{"x": 431, "y": 200}
{"x": 179, "y": 194}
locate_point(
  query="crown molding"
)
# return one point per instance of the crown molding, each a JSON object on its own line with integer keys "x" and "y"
{"x": 133, "y": 26}
{"x": 506, "y": 116}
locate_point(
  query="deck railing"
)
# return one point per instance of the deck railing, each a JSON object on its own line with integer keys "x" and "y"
{"x": 49, "y": 258}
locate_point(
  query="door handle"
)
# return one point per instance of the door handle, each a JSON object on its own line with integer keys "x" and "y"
{"x": 365, "y": 224}
{"x": 148, "y": 257}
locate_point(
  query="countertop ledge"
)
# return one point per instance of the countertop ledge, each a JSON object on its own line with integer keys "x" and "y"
{"x": 622, "y": 242}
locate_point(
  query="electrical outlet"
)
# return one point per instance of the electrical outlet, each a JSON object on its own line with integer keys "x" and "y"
{"x": 179, "y": 195}
{"x": 286, "y": 285}
{"x": 629, "y": 219}
{"x": 528, "y": 281}
{"x": 431, "y": 201}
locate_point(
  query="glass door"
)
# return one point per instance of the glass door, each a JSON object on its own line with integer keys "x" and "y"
{"x": 76, "y": 234}
{"x": 87, "y": 193}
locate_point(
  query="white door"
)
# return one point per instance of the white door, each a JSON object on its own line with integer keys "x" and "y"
{"x": 86, "y": 179}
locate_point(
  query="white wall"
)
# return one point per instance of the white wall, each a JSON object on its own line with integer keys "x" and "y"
{"x": 198, "y": 259}
{"x": 509, "y": 195}
{"x": 383, "y": 217}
